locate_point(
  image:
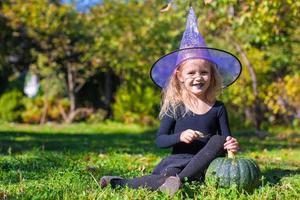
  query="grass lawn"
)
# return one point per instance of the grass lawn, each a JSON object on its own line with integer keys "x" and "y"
{"x": 61, "y": 162}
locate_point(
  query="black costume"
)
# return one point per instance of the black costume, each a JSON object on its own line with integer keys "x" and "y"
{"x": 186, "y": 160}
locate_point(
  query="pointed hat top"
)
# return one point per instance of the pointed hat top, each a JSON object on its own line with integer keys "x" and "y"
{"x": 191, "y": 36}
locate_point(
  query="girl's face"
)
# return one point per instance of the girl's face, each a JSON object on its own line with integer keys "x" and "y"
{"x": 195, "y": 75}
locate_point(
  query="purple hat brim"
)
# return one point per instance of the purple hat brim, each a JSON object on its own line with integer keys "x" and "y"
{"x": 227, "y": 64}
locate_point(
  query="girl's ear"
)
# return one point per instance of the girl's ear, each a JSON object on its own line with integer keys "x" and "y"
{"x": 179, "y": 76}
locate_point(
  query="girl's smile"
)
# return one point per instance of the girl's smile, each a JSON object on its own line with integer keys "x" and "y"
{"x": 195, "y": 76}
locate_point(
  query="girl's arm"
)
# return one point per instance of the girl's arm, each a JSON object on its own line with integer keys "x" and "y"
{"x": 223, "y": 122}
{"x": 231, "y": 142}
{"x": 164, "y": 138}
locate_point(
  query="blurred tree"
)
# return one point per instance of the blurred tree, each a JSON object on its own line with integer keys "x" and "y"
{"x": 251, "y": 28}
{"x": 283, "y": 98}
{"x": 133, "y": 35}
{"x": 62, "y": 44}
{"x": 14, "y": 57}
{"x": 118, "y": 41}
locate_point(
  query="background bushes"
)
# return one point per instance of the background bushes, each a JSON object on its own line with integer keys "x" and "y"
{"x": 95, "y": 65}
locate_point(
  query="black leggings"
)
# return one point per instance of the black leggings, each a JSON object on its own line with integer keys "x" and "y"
{"x": 195, "y": 167}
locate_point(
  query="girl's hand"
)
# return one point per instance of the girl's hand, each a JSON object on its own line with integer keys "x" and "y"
{"x": 189, "y": 136}
{"x": 231, "y": 144}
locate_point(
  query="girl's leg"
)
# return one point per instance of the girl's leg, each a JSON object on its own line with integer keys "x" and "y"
{"x": 197, "y": 165}
{"x": 171, "y": 164}
{"x": 152, "y": 182}
{"x": 199, "y": 162}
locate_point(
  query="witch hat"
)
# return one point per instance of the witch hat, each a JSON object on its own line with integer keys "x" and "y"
{"x": 193, "y": 46}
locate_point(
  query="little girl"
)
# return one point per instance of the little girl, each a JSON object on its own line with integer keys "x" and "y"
{"x": 193, "y": 122}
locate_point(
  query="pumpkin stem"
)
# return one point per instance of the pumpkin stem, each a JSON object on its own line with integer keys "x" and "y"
{"x": 230, "y": 154}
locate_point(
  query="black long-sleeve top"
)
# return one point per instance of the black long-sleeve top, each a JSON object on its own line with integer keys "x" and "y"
{"x": 215, "y": 121}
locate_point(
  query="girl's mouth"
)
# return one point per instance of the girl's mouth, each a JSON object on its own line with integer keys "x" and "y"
{"x": 199, "y": 85}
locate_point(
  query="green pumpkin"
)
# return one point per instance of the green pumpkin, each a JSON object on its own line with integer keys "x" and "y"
{"x": 226, "y": 172}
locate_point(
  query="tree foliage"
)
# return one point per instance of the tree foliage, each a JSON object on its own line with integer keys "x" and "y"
{"x": 122, "y": 39}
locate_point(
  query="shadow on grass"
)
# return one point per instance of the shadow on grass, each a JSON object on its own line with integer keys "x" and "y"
{"x": 250, "y": 142}
{"x": 137, "y": 143}
{"x": 14, "y": 142}
{"x": 274, "y": 176}
{"x": 49, "y": 152}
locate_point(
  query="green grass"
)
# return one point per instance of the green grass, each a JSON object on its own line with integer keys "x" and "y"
{"x": 61, "y": 162}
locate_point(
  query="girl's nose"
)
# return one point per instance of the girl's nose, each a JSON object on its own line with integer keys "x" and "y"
{"x": 198, "y": 77}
